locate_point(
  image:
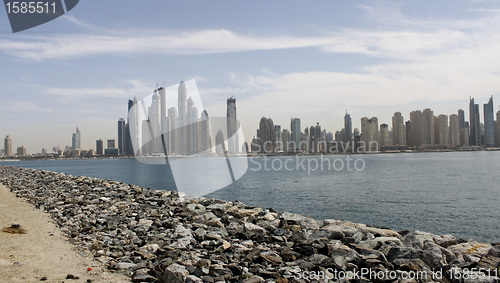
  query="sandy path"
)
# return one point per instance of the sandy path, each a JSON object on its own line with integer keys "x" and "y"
{"x": 42, "y": 251}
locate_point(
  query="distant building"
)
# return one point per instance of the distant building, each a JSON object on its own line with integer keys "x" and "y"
{"x": 347, "y": 128}
{"x": 75, "y": 141}
{"x": 475, "y": 130}
{"x": 497, "y": 130}
{"x": 454, "y": 130}
{"x": 266, "y": 134}
{"x": 398, "y": 129}
{"x": 384, "y": 135}
{"x": 99, "y": 147}
{"x": 285, "y": 138}
{"x": 232, "y": 126}
{"x": 220, "y": 147}
{"x": 21, "y": 151}
{"x": 122, "y": 138}
{"x": 111, "y": 143}
{"x": 428, "y": 134}
{"x": 205, "y": 132}
{"x": 370, "y": 133}
{"x": 278, "y": 138}
{"x": 7, "y": 145}
{"x": 489, "y": 123}
{"x": 443, "y": 130}
{"x": 461, "y": 119}
{"x": 295, "y": 134}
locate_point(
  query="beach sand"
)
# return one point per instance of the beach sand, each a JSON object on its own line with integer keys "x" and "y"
{"x": 42, "y": 251}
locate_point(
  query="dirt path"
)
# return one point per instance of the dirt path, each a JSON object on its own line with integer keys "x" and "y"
{"x": 42, "y": 251}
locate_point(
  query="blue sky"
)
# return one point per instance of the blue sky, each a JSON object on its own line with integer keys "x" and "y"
{"x": 282, "y": 59}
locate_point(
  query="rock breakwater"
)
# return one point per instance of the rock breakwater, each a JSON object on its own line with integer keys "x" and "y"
{"x": 165, "y": 236}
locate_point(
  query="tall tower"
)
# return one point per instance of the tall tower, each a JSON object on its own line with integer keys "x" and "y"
{"x": 489, "y": 127}
{"x": 398, "y": 129}
{"x": 205, "y": 137}
{"x": 455, "y": 129}
{"x": 347, "y": 128}
{"x": 182, "y": 119}
{"x": 121, "y": 136}
{"x": 428, "y": 137}
{"x": 461, "y": 119}
{"x": 296, "y": 134}
{"x": 7, "y": 144}
{"x": 232, "y": 126}
{"x": 443, "y": 130}
{"x": 75, "y": 141}
{"x": 173, "y": 130}
{"x": 415, "y": 136}
{"x": 474, "y": 136}
{"x": 155, "y": 123}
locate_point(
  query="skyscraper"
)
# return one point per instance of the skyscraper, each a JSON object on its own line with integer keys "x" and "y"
{"x": 373, "y": 134}
{"x": 278, "y": 138}
{"x": 497, "y": 130}
{"x": 347, "y": 128}
{"x": 296, "y": 134}
{"x": 232, "y": 126}
{"x": 454, "y": 129}
{"x": 121, "y": 136}
{"x": 384, "y": 135}
{"x": 182, "y": 118}
{"x": 266, "y": 134}
{"x": 205, "y": 136}
{"x": 173, "y": 130}
{"x": 461, "y": 119}
{"x": 7, "y": 145}
{"x": 398, "y": 129}
{"x": 155, "y": 123}
{"x": 99, "y": 147}
{"x": 428, "y": 130}
{"x": 75, "y": 141}
{"x": 489, "y": 126}
{"x": 443, "y": 129}
{"x": 416, "y": 129}
{"x": 474, "y": 135}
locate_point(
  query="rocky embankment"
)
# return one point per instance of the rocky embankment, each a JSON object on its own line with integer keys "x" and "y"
{"x": 163, "y": 236}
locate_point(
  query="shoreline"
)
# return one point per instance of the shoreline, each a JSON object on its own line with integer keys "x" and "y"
{"x": 152, "y": 235}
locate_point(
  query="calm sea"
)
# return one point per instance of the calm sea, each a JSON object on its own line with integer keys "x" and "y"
{"x": 444, "y": 193}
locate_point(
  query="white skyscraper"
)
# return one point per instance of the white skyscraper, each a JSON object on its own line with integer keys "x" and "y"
{"x": 174, "y": 137}
{"x": 155, "y": 123}
{"x": 232, "y": 126}
{"x": 75, "y": 141}
{"x": 182, "y": 118}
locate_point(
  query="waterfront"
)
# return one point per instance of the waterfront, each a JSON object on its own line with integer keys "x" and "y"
{"x": 442, "y": 193}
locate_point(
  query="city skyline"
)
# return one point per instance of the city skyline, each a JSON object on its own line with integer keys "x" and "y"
{"x": 293, "y": 59}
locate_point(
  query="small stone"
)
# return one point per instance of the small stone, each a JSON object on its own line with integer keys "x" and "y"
{"x": 15, "y": 225}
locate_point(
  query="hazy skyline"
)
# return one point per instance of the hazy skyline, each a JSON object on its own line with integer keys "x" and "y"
{"x": 280, "y": 59}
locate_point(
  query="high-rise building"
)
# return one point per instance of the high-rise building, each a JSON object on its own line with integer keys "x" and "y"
{"x": 443, "y": 133}
{"x": 454, "y": 130}
{"x": 266, "y": 134}
{"x": 475, "y": 130}
{"x": 7, "y": 145}
{"x": 489, "y": 125}
{"x": 278, "y": 138}
{"x": 428, "y": 130}
{"x": 370, "y": 135}
{"x": 220, "y": 147}
{"x": 173, "y": 130}
{"x": 285, "y": 138}
{"x": 497, "y": 130}
{"x": 75, "y": 141}
{"x": 121, "y": 136}
{"x": 193, "y": 128}
{"x": 232, "y": 126}
{"x": 21, "y": 151}
{"x": 112, "y": 143}
{"x": 99, "y": 147}
{"x": 296, "y": 134}
{"x": 416, "y": 129}
{"x": 398, "y": 129}
{"x": 205, "y": 136}
{"x": 182, "y": 118}
{"x": 461, "y": 119}
{"x": 384, "y": 135}
{"x": 347, "y": 128}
